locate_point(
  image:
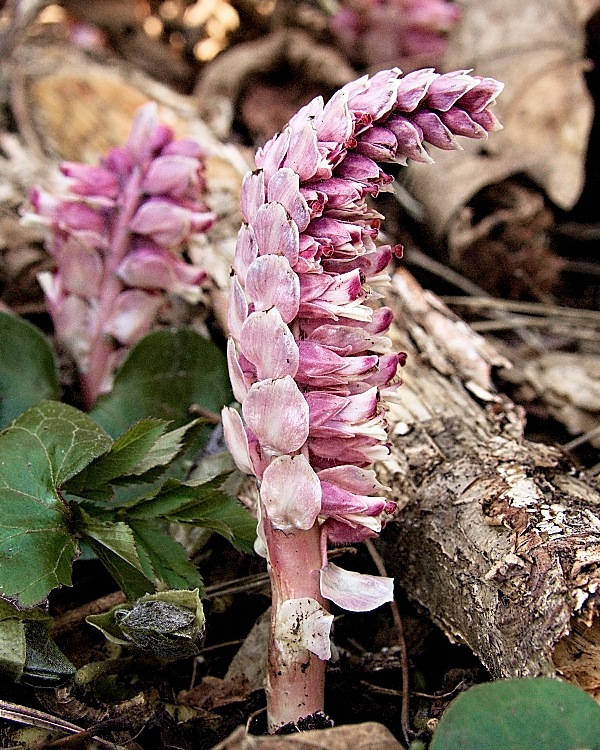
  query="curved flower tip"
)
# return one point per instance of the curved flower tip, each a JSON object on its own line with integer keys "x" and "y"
{"x": 356, "y": 592}
{"x": 303, "y": 625}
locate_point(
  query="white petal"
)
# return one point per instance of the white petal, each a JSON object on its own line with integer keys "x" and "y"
{"x": 303, "y": 625}
{"x": 291, "y": 493}
{"x": 236, "y": 439}
{"x": 268, "y": 343}
{"x": 277, "y": 413}
{"x": 356, "y": 592}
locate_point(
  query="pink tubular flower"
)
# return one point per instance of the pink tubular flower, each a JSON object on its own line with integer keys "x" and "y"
{"x": 309, "y": 357}
{"x": 117, "y": 242}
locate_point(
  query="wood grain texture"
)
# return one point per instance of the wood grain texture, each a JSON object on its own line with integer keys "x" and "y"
{"x": 497, "y": 537}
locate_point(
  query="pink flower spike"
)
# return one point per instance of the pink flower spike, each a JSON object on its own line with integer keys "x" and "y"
{"x": 271, "y": 282}
{"x": 291, "y": 493}
{"x": 353, "y": 591}
{"x": 310, "y": 359}
{"x": 268, "y": 343}
{"x": 133, "y": 314}
{"x": 277, "y": 413}
{"x": 237, "y": 440}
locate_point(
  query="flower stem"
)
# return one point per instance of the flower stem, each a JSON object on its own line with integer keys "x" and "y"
{"x": 102, "y": 347}
{"x": 295, "y": 676}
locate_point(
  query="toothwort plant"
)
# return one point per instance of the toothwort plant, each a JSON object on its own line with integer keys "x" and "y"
{"x": 308, "y": 356}
{"x": 117, "y": 242}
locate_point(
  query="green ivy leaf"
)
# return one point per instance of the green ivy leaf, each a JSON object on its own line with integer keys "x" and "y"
{"x": 165, "y": 374}
{"x": 39, "y": 452}
{"x": 526, "y": 714}
{"x": 28, "y": 368}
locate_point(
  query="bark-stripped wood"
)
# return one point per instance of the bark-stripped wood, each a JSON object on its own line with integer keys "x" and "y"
{"x": 497, "y": 537}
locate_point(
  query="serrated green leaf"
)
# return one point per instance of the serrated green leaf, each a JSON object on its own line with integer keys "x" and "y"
{"x": 526, "y": 714}
{"x": 174, "y": 495}
{"x": 165, "y": 374}
{"x": 28, "y": 368}
{"x": 167, "y": 448}
{"x": 235, "y": 518}
{"x": 115, "y": 545}
{"x": 168, "y": 558}
{"x": 125, "y": 453}
{"x": 40, "y": 451}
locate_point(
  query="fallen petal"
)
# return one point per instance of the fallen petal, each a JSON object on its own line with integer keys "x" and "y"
{"x": 303, "y": 625}
{"x": 356, "y": 592}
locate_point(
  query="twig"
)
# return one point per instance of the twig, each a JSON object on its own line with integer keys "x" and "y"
{"x": 416, "y": 257}
{"x": 74, "y": 617}
{"x": 34, "y": 718}
{"x": 441, "y": 696}
{"x": 529, "y": 308}
{"x": 21, "y": 13}
{"x": 519, "y": 322}
{"x": 576, "y": 442}
{"x": 405, "y": 707}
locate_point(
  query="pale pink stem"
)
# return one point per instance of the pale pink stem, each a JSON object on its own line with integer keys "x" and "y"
{"x": 101, "y": 346}
{"x": 295, "y": 686}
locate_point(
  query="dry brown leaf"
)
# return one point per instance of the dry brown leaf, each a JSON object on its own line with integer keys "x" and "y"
{"x": 367, "y": 736}
{"x": 507, "y": 252}
{"x": 536, "y": 48}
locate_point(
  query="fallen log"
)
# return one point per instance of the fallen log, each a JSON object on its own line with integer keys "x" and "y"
{"x": 497, "y": 537}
